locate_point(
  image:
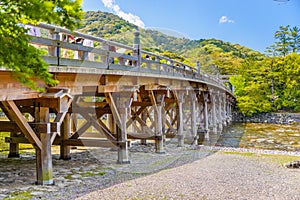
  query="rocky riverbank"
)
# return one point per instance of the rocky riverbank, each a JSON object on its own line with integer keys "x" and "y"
{"x": 273, "y": 118}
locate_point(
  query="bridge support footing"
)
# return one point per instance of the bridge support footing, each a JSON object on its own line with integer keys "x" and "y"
{"x": 159, "y": 144}
{"x": 123, "y": 157}
{"x": 13, "y": 147}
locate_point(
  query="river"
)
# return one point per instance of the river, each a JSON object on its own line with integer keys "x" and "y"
{"x": 260, "y": 136}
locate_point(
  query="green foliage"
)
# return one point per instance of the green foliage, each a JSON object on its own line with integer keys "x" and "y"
{"x": 103, "y": 24}
{"x": 287, "y": 82}
{"x": 252, "y": 86}
{"x": 269, "y": 84}
{"x": 15, "y": 52}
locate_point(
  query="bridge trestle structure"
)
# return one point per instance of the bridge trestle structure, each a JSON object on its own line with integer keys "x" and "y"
{"x": 105, "y": 98}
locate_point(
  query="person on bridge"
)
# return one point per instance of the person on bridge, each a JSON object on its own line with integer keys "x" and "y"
{"x": 33, "y": 31}
{"x": 78, "y": 41}
{"x": 113, "y": 49}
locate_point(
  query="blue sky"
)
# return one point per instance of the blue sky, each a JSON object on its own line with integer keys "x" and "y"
{"x": 251, "y": 23}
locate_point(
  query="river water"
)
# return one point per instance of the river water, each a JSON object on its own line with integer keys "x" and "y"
{"x": 260, "y": 136}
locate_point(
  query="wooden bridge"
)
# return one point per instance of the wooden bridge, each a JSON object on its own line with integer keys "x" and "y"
{"x": 121, "y": 93}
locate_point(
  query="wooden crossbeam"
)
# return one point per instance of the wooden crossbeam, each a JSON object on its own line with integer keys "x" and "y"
{"x": 137, "y": 128}
{"x": 97, "y": 123}
{"x": 81, "y": 130}
{"x": 101, "y": 127}
{"x": 134, "y": 115}
{"x": 104, "y": 131}
{"x": 92, "y": 143}
{"x": 170, "y": 127}
{"x": 17, "y": 116}
{"x": 146, "y": 128}
{"x": 141, "y": 136}
{"x": 114, "y": 109}
{"x": 92, "y": 104}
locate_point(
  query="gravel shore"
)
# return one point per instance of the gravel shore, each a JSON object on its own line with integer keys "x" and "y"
{"x": 198, "y": 172}
{"x": 218, "y": 176}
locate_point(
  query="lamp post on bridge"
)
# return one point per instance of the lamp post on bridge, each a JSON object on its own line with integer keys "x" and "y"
{"x": 137, "y": 47}
{"x": 198, "y": 66}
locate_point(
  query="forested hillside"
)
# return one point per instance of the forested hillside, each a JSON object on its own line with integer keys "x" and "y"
{"x": 215, "y": 56}
{"x": 263, "y": 83}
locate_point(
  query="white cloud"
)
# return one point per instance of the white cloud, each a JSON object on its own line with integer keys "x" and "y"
{"x": 111, "y": 4}
{"x": 225, "y": 19}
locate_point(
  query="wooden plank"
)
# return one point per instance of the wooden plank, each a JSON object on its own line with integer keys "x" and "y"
{"x": 143, "y": 104}
{"x": 17, "y": 116}
{"x": 8, "y": 126}
{"x": 134, "y": 136}
{"x": 92, "y": 143}
{"x": 22, "y": 140}
{"x": 92, "y": 104}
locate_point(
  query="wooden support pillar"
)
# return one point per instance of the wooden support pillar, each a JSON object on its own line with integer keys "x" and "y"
{"x": 229, "y": 109}
{"x": 123, "y": 157}
{"x": 180, "y": 121}
{"x": 220, "y": 112}
{"x": 43, "y": 156}
{"x": 110, "y": 123}
{"x": 144, "y": 118}
{"x": 205, "y": 116}
{"x": 74, "y": 124}
{"x": 194, "y": 122}
{"x": 214, "y": 114}
{"x": 159, "y": 142}
{"x": 13, "y": 147}
{"x": 65, "y": 134}
{"x": 119, "y": 111}
{"x": 158, "y": 104}
{"x": 224, "y": 110}
{"x": 41, "y": 144}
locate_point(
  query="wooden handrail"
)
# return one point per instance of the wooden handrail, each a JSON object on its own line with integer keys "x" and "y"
{"x": 111, "y": 59}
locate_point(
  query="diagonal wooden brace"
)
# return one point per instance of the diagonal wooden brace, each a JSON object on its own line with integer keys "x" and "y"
{"x": 15, "y": 115}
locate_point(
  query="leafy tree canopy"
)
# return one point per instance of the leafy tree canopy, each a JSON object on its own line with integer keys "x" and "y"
{"x": 273, "y": 82}
{"x": 15, "y": 52}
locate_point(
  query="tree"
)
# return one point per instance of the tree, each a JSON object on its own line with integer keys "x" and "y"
{"x": 287, "y": 82}
{"x": 284, "y": 40}
{"x": 295, "y": 39}
{"x": 253, "y": 87}
{"x": 15, "y": 52}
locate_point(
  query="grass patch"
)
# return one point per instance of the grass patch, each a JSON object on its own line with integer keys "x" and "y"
{"x": 5, "y": 146}
{"x": 69, "y": 176}
{"x": 238, "y": 153}
{"x": 86, "y": 174}
{"x": 163, "y": 161}
{"x": 281, "y": 159}
{"x": 20, "y": 196}
{"x": 91, "y": 174}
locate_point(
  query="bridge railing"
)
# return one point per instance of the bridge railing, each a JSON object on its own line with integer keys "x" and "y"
{"x": 62, "y": 49}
